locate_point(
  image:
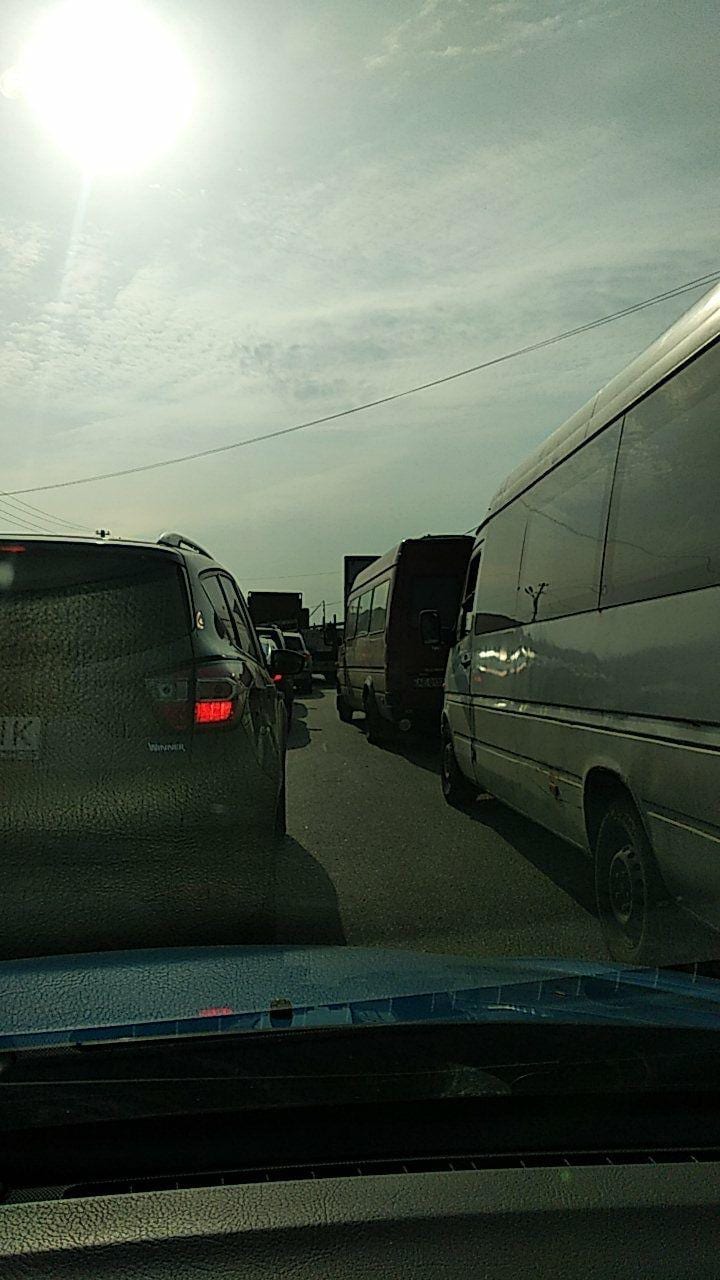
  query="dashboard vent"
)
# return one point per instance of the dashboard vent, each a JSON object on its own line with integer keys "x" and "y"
{"x": 374, "y": 1168}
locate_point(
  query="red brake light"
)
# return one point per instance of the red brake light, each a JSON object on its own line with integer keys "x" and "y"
{"x": 214, "y": 711}
{"x": 13, "y": 549}
{"x": 277, "y": 679}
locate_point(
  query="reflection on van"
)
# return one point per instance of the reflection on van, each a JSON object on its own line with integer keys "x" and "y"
{"x": 583, "y": 688}
{"x": 385, "y": 669}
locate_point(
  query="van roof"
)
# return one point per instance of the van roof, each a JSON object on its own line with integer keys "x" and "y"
{"x": 392, "y": 556}
{"x": 694, "y": 330}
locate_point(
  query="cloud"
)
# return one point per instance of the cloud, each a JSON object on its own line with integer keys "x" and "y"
{"x": 456, "y": 29}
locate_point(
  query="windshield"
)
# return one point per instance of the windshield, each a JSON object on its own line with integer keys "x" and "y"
{"x": 384, "y": 339}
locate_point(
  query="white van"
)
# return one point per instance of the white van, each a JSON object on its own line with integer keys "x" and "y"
{"x": 584, "y": 685}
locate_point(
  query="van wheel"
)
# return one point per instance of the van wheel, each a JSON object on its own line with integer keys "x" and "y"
{"x": 344, "y": 709}
{"x": 457, "y": 790}
{"x": 635, "y": 910}
{"x": 378, "y": 729}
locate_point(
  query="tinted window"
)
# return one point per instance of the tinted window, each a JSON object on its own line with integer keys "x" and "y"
{"x": 364, "y": 613}
{"x": 437, "y": 591}
{"x": 351, "y": 620}
{"x": 238, "y": 615}
{"x": 379, "y": 606}
{"x": 565, "y": 533}
{"x": 664, "y": 531}
{"x": 294, "y": 642}
{"x": 220, "y": 607}
{"x": 496, "y": 602}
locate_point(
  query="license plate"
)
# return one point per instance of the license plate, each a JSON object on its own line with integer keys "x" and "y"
{"x": 429, "y": 682}
{"x": 20, "y": 737}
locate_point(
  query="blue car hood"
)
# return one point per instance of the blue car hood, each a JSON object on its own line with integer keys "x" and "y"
{"x": 168, "y": 993}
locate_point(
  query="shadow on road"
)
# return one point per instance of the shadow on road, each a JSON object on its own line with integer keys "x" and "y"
{"x": 419, "y": 749}
{"x": 562, "y": 863}
{"x": 305, "y": 905}
{"x": 566, "y": 866}
{"x": 315, "y": 694}
{"x": 299, "y": 734}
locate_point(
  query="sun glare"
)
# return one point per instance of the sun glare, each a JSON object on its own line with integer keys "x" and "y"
{"x": 107, "y": 81}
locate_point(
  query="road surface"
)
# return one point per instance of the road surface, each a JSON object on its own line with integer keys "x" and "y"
{"x": 375, "y": 857}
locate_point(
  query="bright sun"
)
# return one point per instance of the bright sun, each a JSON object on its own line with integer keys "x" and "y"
{"x": 107, "y": 81}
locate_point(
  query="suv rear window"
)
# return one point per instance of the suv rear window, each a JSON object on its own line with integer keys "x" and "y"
{"x": 69, "y": 606}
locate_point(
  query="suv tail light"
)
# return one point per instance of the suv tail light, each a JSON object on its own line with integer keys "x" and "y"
{"x": 206, "y": 698}
{"x": 213, "y": 710}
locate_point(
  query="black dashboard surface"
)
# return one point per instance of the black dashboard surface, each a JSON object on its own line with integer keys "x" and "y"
{"x": 648, "y": 1219}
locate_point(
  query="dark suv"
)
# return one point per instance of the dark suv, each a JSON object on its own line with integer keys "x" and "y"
{"x": 142, "y": 747}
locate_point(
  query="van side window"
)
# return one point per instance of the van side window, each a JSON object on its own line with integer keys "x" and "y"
{"x": 379, "y": 607}
{"x": 496, "y": 604}
{"x": 664, "y": 530}
{"x": 364, "y": 613}
{"x": 351, "y": 620}
{"x": 468, "y": 600}
{"x": 565, "y": 536}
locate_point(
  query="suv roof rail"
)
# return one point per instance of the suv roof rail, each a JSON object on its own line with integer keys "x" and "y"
{"x": 179, "y": 540}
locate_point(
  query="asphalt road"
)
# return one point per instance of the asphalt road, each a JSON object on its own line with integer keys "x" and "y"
{"x": 375, "y": 857}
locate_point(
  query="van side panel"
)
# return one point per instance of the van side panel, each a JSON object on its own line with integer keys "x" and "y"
{"x": 610, "y": 689}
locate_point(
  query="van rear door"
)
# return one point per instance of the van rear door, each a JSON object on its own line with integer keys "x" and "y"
{"x": 95, "y": 646}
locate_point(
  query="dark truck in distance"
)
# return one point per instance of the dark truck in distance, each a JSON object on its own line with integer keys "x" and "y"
{"x": 323, "y": 642}
{"x": 384, "y": 668}
{"x": 283, "y": 609}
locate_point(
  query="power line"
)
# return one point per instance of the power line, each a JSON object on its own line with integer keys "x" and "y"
{"x": 14, "y": 517}
{"x": 24, "y": 507}
{"x": 292, "y": 577}
{"x": 675, "y": 292}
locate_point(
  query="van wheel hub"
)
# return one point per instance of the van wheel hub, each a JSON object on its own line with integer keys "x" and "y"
{"x": 626, "y": 885}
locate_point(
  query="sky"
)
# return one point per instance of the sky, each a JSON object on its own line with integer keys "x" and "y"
{"x": 368, "y": 194}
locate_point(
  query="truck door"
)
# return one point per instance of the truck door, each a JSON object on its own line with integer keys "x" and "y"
{"x": 458, "y": 678}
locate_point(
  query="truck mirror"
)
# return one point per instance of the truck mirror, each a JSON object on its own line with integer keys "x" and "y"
{"x": 430, "y": 628}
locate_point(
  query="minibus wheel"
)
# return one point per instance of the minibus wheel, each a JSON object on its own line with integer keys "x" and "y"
{"x": 633, "y": 904}
{"x": 456, "y": 788}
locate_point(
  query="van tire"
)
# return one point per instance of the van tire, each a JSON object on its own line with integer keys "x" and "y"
{"x": 457, "y": 790}
{"x": 378, "y": 730}
{"x": 635, "y": 910}
{"x": 344, "y": 710}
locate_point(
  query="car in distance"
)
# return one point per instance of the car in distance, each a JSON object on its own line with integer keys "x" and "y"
{"x": 582, "y": 688}
{"x": 295, "y": 640}
{"x": 142, "y": 760}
